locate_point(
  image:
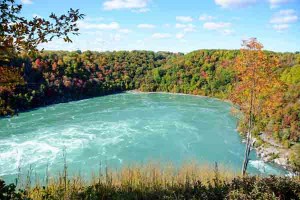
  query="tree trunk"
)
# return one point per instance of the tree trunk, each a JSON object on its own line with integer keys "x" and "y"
{"x": 247, "y": 153}
{"x": 250, "y": 123}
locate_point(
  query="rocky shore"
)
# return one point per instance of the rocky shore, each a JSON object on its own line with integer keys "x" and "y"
{"x": 272, "y": 151}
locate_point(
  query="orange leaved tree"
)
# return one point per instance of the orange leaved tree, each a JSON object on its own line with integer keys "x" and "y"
{"x": 10, "y": 77}
{"x": 255, "y": 87}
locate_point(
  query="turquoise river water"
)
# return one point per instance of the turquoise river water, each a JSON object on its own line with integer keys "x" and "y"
{"x": 122, "y": 129}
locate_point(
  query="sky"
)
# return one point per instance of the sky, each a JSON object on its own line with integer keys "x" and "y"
{"x": 175, "y": 25}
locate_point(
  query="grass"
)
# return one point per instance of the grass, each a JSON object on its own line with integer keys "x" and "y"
{"x": 154, "y": 181}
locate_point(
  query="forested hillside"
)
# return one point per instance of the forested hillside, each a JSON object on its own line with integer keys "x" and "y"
{"x": 53, "y": 77}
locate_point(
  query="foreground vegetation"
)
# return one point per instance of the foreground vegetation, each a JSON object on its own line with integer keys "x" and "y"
{"x": 155, "y": 182}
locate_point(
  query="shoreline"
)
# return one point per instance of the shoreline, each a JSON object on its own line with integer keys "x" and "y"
{"x": 183, "y": 94}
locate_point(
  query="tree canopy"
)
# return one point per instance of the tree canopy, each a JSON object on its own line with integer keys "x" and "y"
{"x": 18, "y": 34}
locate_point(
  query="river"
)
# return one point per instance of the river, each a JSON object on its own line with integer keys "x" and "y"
{"x": 122, "y": 129}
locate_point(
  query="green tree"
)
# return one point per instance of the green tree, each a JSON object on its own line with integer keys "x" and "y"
{"x": 291, "y": 75}
{"x": 18, "y": 34}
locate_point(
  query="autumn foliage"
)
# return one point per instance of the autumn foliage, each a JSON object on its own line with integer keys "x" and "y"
{"x": 10, "y": 76}
{"x": 59, "y": 76}
{"x": 257, "y": 87}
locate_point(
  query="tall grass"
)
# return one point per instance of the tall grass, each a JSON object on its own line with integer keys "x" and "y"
{"x": 154, "y": 181}
{"x": 148, "y": 177}
{"x": 150, "y": 181}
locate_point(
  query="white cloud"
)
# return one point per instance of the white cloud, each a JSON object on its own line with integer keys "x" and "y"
{"x": 282, "y": 19}
{"x": 116, "y": 37}
{"x": 287, "y": 12}
{"x": 180, "y": 25}
{"x": 26, "y": 1}
{"x": 96, "y": 40}
{"x": 206, "y": 17}
{"x": 216, "y": 25}
{"x": 146, "y": 26}
{"x": 277, "y": 3}
{"x": 141, "y": 10}
{"x": 221, "y": 27}
{"x": 161, "y": 35}
{"x": 125, "y": 4}
{"x": 102, "y": 26}
{"x": 281, "y": 27}
{"x": 235, "y": 3}
{"x": 245, "y": 3}
{"x": 125, "y": 31}
{"x": 180, "y": 35}
{"x": 186, "y": 27}
{"x": 284, "y": 16}
{"x": 227, "y": 31}
{"x": 184, "y": 19}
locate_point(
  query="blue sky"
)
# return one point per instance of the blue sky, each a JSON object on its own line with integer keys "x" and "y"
{"x": 176, "y": 25}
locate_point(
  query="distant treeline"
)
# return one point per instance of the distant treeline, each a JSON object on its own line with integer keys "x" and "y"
{"x": 60, "y": 76}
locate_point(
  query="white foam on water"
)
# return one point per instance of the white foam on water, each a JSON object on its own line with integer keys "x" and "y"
{"x": 235, "y": 153}
{"x": 17, "y": 154}
{"x": 40, "y": 148}
{"x": 291, "y": 174}
{"x": 263, "y": 167}
{"x": 110, "y": 141}
{"x": 109, "y": 132}
{"x": 152, "y": 129}
{"x": 184, "y": 126}
{"x": 71, "y": 138}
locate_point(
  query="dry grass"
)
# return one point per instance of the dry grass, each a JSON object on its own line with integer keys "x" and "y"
{"x": 153, "y": 181}
{"x": 151, "y": 176}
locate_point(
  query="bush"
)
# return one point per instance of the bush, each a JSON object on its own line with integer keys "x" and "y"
{"x": 9, "y": 192}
